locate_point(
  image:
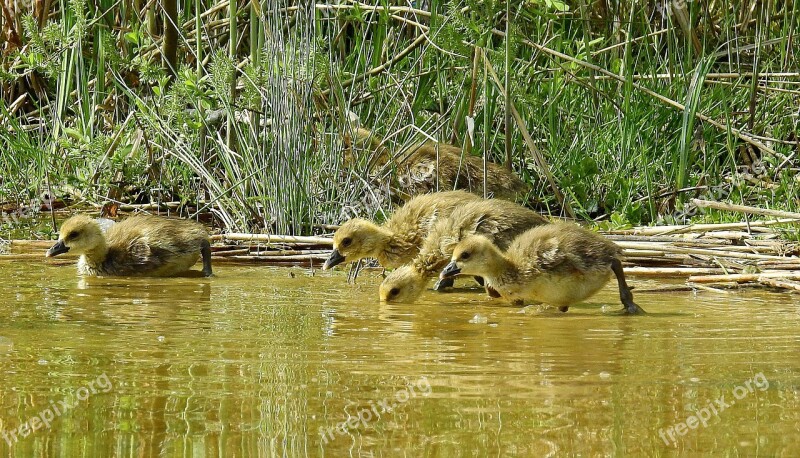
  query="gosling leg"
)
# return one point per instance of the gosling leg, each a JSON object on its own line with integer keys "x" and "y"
{"x": 205, "y": 250}
{"x": 625, "y": 294}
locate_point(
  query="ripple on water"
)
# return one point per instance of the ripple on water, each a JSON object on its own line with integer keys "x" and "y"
{"x": 271, "y": 360}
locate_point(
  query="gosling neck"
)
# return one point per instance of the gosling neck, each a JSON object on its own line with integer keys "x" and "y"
{"x": 500, "y": 267}
{"x": 97, "y": 255}
{"x": 396, "y": 249}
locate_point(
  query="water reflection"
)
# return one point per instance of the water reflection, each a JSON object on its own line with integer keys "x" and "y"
{"x": 256, "y": 362}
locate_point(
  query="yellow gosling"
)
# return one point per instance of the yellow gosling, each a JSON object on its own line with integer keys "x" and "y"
{"x": 141, "y": 245}
{"x": 559, "y": 264}
{"x": 397, "y": 241}
{"x": 499, "y": 220}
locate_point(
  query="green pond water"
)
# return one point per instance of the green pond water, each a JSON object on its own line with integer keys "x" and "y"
{"x": 267, "y": 361}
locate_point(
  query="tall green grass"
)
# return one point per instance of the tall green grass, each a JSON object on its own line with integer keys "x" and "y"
{"x": 250, "y": 127}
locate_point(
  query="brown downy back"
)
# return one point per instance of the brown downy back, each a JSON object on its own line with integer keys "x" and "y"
{"x": 563, "y": 248}
{"x": 498, "y": 220}
{"x": 144, "y": 244}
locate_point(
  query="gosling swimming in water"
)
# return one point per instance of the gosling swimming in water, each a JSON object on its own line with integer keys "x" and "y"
{"x": 559, "y": 264}
{"x": 398, "y": 240}
{"x": 142, "y": 245}
{"x": 499, "y": 220}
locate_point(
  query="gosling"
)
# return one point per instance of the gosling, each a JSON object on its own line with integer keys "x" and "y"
{"x": 397, "y": 241}
{"x": 559, "y": 264}
{"x": 499, "y": 220}
{"x": 424, "y": 167}
{"x": 141, "y": 245}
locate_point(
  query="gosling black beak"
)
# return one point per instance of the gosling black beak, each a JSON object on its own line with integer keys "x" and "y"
{"x": 334, "y": 259}
{"x": 57, "y": 249}
{"x": 451, "y": 270}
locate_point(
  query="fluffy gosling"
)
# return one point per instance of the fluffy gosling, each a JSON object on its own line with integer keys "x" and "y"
{"x": 141, "y": 245}
{"x": 499, "y": 220}
{"x": 559, "y": 264}
{"x": 397, "y": 241}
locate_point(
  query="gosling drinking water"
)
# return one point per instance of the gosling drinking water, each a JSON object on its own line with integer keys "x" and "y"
{"x": 558, "y": 264}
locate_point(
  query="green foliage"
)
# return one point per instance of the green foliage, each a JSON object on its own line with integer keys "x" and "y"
{"x": 268, "y": 155}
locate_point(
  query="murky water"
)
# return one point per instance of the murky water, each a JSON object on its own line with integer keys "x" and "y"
{"x": 258, "y": 362}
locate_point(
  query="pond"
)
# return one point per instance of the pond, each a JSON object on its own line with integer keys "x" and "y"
{"x": 270, "y": 361}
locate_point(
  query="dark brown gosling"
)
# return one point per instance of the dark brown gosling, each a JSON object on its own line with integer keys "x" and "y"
{"x": 498, "y": 220}
{"x": 559, "y": 264}
{"x": 421, "y": 170}
{"x": 141, "y": 245}
{"x": 398, "y": 240}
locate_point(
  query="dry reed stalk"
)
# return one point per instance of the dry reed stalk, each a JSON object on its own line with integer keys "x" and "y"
{"x": 686, "y": 228}
{"x": 744, "y": 278}
{"x": 642, "y": 253}
{"x": 787, "y": 265}
{"x": 745, "y": 209}
{"x": 31, "y": 244}
{"x": 288, "y": 258}
{"x": 690, "y": 239}
{"x": 670, "y": 271}
{"x": 255, "y": 252}
{"x": 706, "y": 288}
{"x": 779, "y": 283}
{"x": 224, "y": 253}
{"x": 700, "y": 251}
{"x": 270, "y": 238}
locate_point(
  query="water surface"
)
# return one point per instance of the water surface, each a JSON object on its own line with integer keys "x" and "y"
{"x": 269, "y": 361}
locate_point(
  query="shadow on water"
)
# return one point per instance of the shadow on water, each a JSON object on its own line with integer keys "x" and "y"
{"x": 257, "y": 362}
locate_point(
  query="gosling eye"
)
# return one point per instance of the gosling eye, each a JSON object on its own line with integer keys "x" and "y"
{"x": 464, "y": 256}
{"x": 72, "y": 235}
{"x": 394, "y": 292}
{"x": 347, "y": 241}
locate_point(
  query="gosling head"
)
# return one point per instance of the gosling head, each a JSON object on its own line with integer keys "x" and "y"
{"x": 472, "y": 256}
{"x": 403, "y": 284}
{"x": 79, "y": 234}
{"x": 355, "y": 239}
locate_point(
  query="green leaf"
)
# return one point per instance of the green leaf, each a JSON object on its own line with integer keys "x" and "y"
{"x": 133, "y": 38}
